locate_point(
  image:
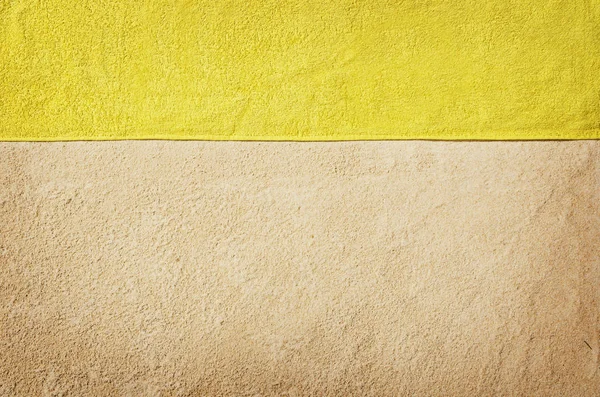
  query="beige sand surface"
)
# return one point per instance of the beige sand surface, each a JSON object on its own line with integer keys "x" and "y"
{"x": 300, "y": 269}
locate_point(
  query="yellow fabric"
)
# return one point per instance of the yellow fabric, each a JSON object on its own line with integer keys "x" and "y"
{"x": 299, "y": 69}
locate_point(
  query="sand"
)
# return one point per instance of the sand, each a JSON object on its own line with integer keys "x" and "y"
{"x": 300, "y": 269}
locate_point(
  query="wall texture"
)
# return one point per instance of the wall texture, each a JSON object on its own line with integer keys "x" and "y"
{"x": 297, "y": 269}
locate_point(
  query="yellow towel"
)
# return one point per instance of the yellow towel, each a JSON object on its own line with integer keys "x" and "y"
{"x": 299, "y": 69}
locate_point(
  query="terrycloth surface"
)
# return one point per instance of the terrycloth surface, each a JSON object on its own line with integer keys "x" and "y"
{"x": 300, "y": 269}
{"x": 299, "y": 69}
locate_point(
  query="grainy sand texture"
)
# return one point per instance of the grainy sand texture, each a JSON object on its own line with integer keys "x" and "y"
{"x": 300, "y": 269}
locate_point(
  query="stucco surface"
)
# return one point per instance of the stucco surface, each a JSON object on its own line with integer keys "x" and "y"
{"x": 299, "y": 269}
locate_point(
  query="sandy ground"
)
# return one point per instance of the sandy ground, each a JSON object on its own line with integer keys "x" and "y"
{"x": 300, "y": 269}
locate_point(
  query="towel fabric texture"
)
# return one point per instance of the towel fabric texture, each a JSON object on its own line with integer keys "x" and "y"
{"x": 299, "y": 69}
